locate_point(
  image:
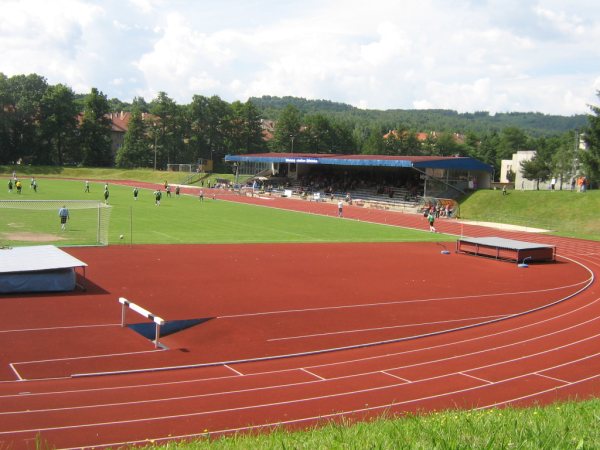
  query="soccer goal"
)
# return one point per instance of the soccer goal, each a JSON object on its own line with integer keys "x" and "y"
{"x": 31, "y": 222}
{"x": 181, "y": 168}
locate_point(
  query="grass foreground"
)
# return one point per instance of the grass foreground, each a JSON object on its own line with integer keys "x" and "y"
{"x": 571, "y": 425}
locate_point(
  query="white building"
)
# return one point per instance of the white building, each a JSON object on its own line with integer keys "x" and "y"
{"x": 514, "y": 165}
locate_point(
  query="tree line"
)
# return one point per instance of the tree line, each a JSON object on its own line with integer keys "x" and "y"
{"x": 45, "y": 124}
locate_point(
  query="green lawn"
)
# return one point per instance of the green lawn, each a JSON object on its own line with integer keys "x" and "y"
{"x": 573, "y": 425}
{"x": 188, "y": 220}
{"x": 566, "y": 213}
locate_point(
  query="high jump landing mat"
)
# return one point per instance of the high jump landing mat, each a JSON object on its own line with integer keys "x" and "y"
{"x": 42, "y": 268}
{"x": 506, "y": 249}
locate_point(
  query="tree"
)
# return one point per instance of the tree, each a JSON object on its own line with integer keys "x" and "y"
{"x": 135, "y": 151}
{"x": 591, "y": 157}
{"x": 565, "y": 157}
{"x": 5, "y": 121}
{"x": 22, "y": 96}
{"x": 446, "y": 145}
{"x": 539, "y": 168}
{"x": 318, "y": 133}
{"x": 94, "y": 131}
{"x": 165, "y": 128}
{"x": 246, "y": 129}
{"x": 374, "y": 143}
{"x": 512, "y": 139}
{"x": 58, "y": 124}
{"x": 288, "y": 135}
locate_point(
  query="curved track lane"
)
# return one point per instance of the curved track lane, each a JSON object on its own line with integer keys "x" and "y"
{"x": 550, "y": 354}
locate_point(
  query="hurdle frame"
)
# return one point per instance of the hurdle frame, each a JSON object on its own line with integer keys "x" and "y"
{"x": 158, "y": 321}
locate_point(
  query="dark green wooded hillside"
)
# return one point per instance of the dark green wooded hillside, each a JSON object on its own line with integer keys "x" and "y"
{"x": 533, "y": 123}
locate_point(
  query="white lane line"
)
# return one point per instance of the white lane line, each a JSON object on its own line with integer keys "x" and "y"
{"x": 237, "y": 372}
{"x": 361, "y": 330}
{"x": 395, "y": 403}
{"x": 475, "y": 378}
{"x": 400, "y": 302}
{"x": 312, "y": 374}
{"x": 552, "y": 378}
{"x": 74, "y": 327}
{"x": 385, "y": 372}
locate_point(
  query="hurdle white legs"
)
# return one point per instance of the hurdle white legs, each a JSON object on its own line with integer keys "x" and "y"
{"x": 126, "y": 304}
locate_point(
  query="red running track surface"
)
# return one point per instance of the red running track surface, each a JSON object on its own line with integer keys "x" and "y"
{"x": 274, "y": 310}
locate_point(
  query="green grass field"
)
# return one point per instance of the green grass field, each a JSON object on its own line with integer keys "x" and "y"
{"x": 566, "y": 213}
{"x": 187, "y": 220}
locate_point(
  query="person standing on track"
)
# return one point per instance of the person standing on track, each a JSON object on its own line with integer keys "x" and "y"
{"x": 340, "y": 208}
{"x": 431, "y": 220}
{"x": 63, "y": 213}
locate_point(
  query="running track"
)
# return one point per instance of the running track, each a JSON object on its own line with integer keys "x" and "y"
{"x": 547, "y": 355}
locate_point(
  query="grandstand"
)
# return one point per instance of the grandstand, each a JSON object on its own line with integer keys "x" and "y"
{"x": 378, "y": 181}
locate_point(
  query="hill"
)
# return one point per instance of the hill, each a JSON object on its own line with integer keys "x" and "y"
{"x": 565, "y": 213}
{"x": 533, "y": 123}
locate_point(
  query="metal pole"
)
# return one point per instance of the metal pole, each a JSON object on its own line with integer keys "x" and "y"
{"x": 131, "y": 225}
{"x": 123, "y": 313}
{"x": 157, "y": 335}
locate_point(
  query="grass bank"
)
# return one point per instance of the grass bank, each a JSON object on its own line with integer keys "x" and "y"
{"x": 574, "y": 425}
{"x": 565, "y": 213}
{"x": 101, "y": 174}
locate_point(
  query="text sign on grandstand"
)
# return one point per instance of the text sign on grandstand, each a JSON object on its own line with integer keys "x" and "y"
{"x": 302, "y": 160}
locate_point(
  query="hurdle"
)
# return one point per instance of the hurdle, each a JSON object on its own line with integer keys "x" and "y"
{"x": 126, "y": 304}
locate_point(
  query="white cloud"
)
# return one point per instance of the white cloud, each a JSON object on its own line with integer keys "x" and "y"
{"x": 498, "y": 55}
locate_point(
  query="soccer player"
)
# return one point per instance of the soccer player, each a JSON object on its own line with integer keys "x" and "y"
{"x": 63, "y": 213}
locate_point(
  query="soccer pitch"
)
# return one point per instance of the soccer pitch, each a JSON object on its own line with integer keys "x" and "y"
{"x": 185, "y": 219}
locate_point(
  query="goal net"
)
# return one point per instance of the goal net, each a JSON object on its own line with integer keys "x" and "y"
{"x": 181, "y": 167}
{"x": 36, "y": 222}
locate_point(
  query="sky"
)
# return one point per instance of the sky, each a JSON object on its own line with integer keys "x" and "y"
{"x": 464, "y": 55}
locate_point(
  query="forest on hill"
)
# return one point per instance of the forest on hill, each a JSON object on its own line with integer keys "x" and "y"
{"x": 45, "y": 124}
{"x": 534, "y": 124}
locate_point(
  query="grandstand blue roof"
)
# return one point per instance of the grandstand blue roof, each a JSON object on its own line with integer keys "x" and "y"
{"x": 421, "y": 162}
